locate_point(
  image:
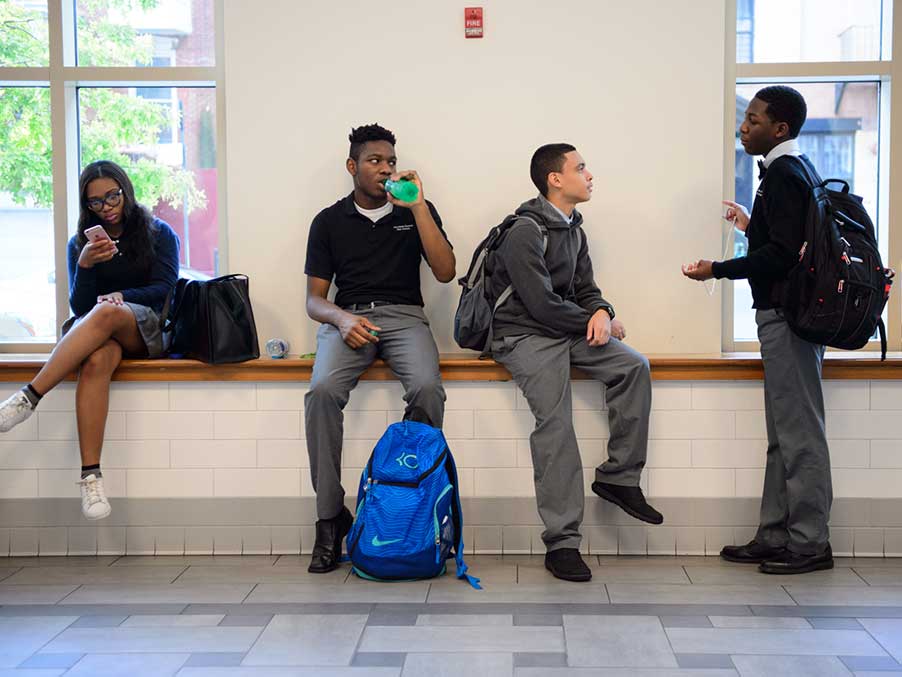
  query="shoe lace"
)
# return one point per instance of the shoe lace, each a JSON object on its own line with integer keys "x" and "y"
{"x": 93, "y": 490}
{"x": 22, "y": 405}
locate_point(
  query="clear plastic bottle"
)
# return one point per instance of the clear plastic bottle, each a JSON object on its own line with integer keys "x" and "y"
{"x": 403, "y": 190}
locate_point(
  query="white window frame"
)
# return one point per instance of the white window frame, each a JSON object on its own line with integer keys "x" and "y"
{"x": 63, "y": 78}
{"x": 885, "y": 72}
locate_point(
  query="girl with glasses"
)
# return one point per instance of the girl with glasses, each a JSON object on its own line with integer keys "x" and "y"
{"x": 117, "y": 286}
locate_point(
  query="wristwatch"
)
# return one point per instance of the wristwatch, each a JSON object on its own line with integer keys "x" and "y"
{"x": 609, "y": 311}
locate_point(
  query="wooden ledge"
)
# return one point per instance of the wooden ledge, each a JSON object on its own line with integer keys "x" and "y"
{"x": 466, "y": 367}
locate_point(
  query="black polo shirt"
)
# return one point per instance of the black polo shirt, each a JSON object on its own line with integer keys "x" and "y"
{"x": 369, "y": 261}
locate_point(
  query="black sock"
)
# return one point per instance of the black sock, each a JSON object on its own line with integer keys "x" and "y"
{"x": 91, "y": 470}
{"x": 33, "y": 395}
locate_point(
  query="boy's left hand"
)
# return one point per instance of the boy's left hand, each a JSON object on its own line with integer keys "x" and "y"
{"x": 701, "y": 270}
{"x": 412, "y": 176}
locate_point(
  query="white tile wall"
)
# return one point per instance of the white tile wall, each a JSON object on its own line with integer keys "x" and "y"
{"x": 63, "y": 483}
{"x": 254, "y": 425}
{"x": 214, "y": 454}
{"x": 257, "y": 482}
{"x": 169, "y": 483}
{"x": 247, "y": 439}
{"x": 140, "y": 397}
{"x": 212, "y": 397}
{"x": 61, "y": 425}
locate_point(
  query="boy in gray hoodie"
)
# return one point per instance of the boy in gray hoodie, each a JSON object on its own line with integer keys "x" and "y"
{"x": 557, "y": 318}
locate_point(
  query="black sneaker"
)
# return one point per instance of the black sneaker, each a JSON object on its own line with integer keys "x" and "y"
{"x": 752, "y": 552}
{"x": 794, "y": 563}
{"x": 568, "y": 565}
{"x": 630, "y": 500}
{"x": 329, "y": 535}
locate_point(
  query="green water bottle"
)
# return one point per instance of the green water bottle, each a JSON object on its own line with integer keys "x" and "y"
{"x": 403, "y": 190}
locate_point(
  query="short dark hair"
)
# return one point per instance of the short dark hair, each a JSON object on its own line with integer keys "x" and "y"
{"x": 785, "y": 104}
{"x": 365, "y": 133}
{"x": 548, "y": 158}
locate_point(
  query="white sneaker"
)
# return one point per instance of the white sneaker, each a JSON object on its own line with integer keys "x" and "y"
{"x": 14, "y": 410}
{"x": 94, "y": 505}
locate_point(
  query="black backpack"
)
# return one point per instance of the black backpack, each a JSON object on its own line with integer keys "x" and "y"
{"x": 835, "y": 295}
{"x": 476, "y": 310}
{"x": 211, "y": 321}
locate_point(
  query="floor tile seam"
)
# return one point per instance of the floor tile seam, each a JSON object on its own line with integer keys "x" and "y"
{"x": 855, "y": 571}
{"x": 11, "y": 574}
{"x": 45, "y": 644}
{"x": 686, "y": 574}
{"x": 359, "y": 641}
{"x": 669, "y": 643}
{"x": 784, "y": 588}
{"x": 180, "y": 574}
{"x": 864, "y": 629}
{"x": 260, "y": 632}
{"x": 69, "y": 594}
{"x": 249, "y": 593}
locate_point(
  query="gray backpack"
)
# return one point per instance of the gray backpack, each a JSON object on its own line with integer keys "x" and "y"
{"x": 476, "y": 310}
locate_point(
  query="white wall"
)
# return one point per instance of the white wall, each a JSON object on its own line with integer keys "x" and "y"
{"x": 637, "y": 86}
{"x": 245, "y": 441}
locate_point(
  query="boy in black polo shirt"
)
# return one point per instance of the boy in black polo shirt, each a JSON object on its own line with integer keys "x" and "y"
{"x": 371, "y": 244}
{"x": 792, "y": 534}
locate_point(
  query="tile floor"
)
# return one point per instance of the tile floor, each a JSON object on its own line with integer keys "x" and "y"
{"x": 210, "y": 616}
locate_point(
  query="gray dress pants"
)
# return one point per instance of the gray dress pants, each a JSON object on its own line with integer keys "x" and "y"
{"x": 406, "y": 344}
{"x": 795, "y": 505}
{"x": 541, "y": 367}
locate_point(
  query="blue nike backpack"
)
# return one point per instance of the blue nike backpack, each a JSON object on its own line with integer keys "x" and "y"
{"x": 409, "y": 519}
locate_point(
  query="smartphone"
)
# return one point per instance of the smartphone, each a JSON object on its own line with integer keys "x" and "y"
{"x": 96, "y": 234}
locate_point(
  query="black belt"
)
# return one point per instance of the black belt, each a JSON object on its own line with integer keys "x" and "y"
{"x": 368, "y": 306}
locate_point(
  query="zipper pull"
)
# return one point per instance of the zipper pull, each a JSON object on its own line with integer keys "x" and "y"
{"x": 839, "y": 287}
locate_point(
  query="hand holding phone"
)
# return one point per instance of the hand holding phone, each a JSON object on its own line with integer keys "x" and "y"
{"x": 96, "y": 234}
{"x": 100, "y": 247}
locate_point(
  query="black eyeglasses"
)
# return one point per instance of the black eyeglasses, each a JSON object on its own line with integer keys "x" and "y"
{"x": 111, "y": 199}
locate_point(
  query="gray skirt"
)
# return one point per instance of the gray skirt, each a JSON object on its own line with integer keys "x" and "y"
{"x": 148, "y": 326}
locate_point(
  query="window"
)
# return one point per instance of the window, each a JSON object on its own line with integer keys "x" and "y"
{"x": 830, "y": 51}
{"x": 27, "y": 272}
{"x": 23, "y": 33}
{"x": 157, "y": 114}
{"x": 136, "y": 33}
{"x": 171, "y": 159}
{"x": 792, "y": 31}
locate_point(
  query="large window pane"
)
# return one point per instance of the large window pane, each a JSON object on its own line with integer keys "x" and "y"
{"x": 841, "y": 137}
{"x": 165, "y": 138}
{"x": 145, "y": 32}
{"x": 27, "y": 277}
{"x": 770, "y": 31}
{"x": 23, "y": 33}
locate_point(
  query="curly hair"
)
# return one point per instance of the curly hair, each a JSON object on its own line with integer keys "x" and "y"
{"x": 363, "y": 134}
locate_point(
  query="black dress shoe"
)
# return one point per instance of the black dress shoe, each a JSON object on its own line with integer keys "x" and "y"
{"x": 794, "y": 563}
{"x": 630, "y": 500}
{"x": 329, "y": 535}
{"x": 568, "y": 565}
{"x": 752, "y": 552}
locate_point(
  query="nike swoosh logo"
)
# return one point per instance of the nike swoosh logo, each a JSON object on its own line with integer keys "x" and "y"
{"x": 378, "y": 544}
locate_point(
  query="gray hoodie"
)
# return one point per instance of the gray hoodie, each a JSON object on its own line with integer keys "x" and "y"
{"x": 544, "y": 302}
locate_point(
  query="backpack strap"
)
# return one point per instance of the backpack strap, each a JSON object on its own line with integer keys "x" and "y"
{"x": 815, "y": 180}
{"x": 457, "y": 516}
{"x": 509, "y": 289}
